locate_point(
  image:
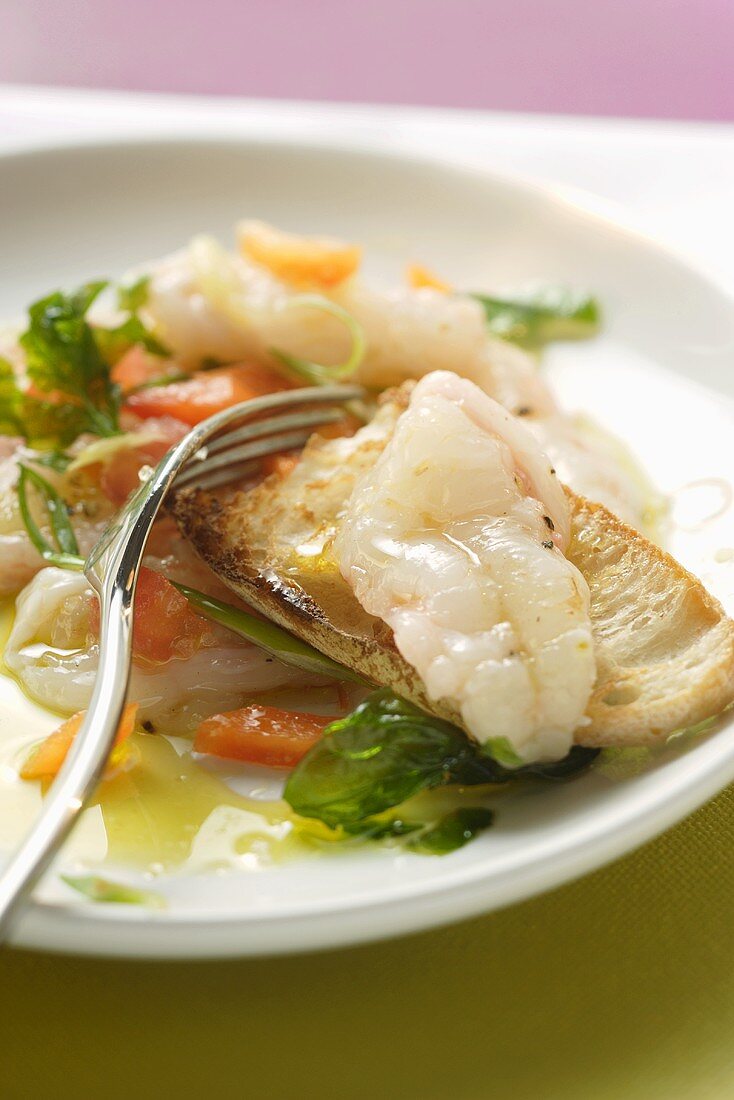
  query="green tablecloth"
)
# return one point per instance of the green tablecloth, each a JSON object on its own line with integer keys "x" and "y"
{"x": 618, "y": 986}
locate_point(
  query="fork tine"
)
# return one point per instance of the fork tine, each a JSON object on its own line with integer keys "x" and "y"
{"x": 217, "y": 478}
{"x": 284, "y": 441}
{"x": 242, "y": 434}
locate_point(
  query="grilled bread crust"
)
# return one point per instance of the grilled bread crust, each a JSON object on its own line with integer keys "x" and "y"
{"x": 664, "y": 647}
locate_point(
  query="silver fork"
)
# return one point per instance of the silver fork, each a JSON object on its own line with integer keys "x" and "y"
{"x": 205, "y": 458}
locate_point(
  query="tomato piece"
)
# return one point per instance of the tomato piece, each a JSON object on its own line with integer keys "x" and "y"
{"x": 261, "y": 735}
{"x": 207, "y": 392}
{"x": 300, "y": 261}
{"x": 164, "y": 626}
{"x": 136, "y": 367}
{"x": 45, "y": 761}
{"x": 419, "y": 277}
{"x": 120, "y": 475}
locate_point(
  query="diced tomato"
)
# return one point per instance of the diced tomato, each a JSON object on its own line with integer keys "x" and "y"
{"x": 419, "y": 277}
{"x": 120, "y": 475}
{"x": 164, "y": 626}
{"x": 261, "y": 735}
{"x": 301, "y": 261}
{"x": 138, "y": 366}
{"x": 207, "y": 392}
{"x": 52, "y": 397}
{"x": 45, "y": 761}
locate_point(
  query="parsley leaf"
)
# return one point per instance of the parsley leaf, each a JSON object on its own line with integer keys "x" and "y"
{"x": 69, "y": 364}
{"x": 64, "y": 359}
{"x": 133, "y": 296}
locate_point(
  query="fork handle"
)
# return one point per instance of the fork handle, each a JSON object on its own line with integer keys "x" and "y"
{"x": 84, "y": 764}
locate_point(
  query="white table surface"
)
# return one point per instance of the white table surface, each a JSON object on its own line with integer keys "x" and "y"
{"x": 674, "y": 180}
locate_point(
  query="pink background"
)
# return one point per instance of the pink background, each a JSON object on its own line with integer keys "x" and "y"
{"x": 659, "y": 58}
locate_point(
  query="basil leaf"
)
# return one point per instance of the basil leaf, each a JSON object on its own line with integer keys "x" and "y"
{"x": 554, "y": 313}
{"x": 387, "y": 751}
{"x": 453, "y": 831}
{"x": 381, "y": 754}
{"x": 374, "y": 829}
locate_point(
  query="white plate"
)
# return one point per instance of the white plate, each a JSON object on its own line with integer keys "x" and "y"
{"x": 660, "y": 377}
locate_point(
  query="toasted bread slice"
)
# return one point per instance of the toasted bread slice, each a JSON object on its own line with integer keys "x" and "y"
{"x": 664, "y": 647}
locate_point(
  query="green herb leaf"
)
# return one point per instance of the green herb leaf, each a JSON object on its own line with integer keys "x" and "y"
{"x": 102, "y": 889}
{"x": 131, "y": 297}
{"x": 62, "y": 356}
{"x": 554, "y": 313}
{"x": 70, "y": 361}
{"x": 317, "y": 373}
{"x": 385, "y": 752}
{"x": 58, "y": 461}
{"x": 268, "y": 636}
{"x": 11, "y": 401}
{"x": 453, "y": 831}
{"x": 40, "y": 422}
{"x": 114, "y": 342}
{"x": 381, "y": 754}
{"x": 374, "y": 829}
{"x": 66, "y": 552}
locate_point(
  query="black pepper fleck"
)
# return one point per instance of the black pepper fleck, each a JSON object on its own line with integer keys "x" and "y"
{"x": 524, "y": 410}
{"x": 148, "y": 726}
{"x": 549, "y": 523}
{"x": 548, "y": 544}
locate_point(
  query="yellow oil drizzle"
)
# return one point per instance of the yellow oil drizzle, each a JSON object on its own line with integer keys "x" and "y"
{"x": 169, "y": 807}
{"x": 165, "y": 812}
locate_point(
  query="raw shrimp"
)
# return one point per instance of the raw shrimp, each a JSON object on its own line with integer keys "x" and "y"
{"x": 54, "y": 657}
{"x": 597, "y": 466}
{"x": 455, "y": 538}
{"x": 208, "y": 302}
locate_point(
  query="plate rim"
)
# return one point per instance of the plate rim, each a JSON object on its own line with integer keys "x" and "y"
{"x": 77, "y": 928}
